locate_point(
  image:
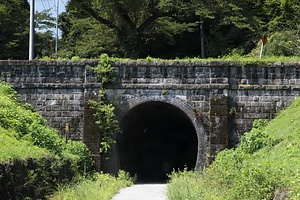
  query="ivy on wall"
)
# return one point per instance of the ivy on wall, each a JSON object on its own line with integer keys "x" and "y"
{"x": 104, "y": 109}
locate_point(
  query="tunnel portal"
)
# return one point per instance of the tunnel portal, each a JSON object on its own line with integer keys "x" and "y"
{"x": 156, "y": 138}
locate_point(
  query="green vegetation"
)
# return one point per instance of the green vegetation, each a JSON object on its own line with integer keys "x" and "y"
{"x": 46, "y": 162}
{"x": 27, "y": 144}
{"x": 161, "y": 28}
{"x": 14, "y": 30}
{"x": 99, "y": 186}
{"x": 19, "y": 122}
{"x": 264, "y": 166}
{"x": 25, "y": 124}
{"x": 12, "y": 148}
{"x": 104, "y": 109}
{"x": 170, "y": 29}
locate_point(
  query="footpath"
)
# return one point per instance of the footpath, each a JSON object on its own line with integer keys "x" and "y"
{"x": 143, "y": 192}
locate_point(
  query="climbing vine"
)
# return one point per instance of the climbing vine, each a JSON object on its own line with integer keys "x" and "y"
{"x": 104, "y": 109}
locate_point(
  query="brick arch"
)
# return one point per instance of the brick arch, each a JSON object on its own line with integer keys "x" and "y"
{"x": 180, "y": 104}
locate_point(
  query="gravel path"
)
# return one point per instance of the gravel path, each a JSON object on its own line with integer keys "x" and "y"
{"x": 142, "y": 192}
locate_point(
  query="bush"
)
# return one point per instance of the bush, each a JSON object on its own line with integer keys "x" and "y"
{"x": 26, "y": 124}
{"x": 78, "y": 148}
{"x": 283, "y": 43}
{"x": 257, "y": 138}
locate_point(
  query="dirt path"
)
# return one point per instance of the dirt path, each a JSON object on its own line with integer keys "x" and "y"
{"x": 143, "y": 192}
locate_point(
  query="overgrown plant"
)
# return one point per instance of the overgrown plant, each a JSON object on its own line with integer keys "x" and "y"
{"x": 98, "y": 186}
{"x": 33, "y": 156}
{"x": 104, "y": 109}
{"x": 263, "y": 166}
{"x": 257, "y": 138}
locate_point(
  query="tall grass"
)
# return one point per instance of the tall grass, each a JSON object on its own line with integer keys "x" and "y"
{"x": 11, "y": 148}
{"x": 264, "y": 166}
{"x": 99, "y": 186}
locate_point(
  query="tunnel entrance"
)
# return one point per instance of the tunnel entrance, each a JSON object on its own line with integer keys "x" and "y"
{"x": 156, "y": 138}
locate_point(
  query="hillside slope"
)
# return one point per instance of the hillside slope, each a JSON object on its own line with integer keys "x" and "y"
{"x": 264, "y": 166}
{"x": 34, "y": 159}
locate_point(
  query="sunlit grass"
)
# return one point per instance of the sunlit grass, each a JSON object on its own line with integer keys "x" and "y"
{"x": 11, "y": 148}
{"x": 233, "y": 57}
{"x": 100, "y": 186}
{"x": 268, "y": 173}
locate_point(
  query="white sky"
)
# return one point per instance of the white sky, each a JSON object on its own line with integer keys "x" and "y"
{"x": 40, "y": 5}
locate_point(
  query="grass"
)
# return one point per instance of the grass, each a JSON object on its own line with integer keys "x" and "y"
{"x": 264, "y": 166}
{"x": 11, "y": 148}
{"x": 24, "y": 134}
{"x": 99, "y": 186}
{"x": 231, "y": 58}
{"x": 234, "y": 57}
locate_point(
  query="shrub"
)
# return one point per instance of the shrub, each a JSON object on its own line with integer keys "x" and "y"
{"x": 283, "y": 43}
{"x": 78, "y": 148}
{"x": 257, "y": 138}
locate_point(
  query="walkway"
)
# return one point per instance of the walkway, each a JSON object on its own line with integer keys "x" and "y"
{"x": 143, "y": 192}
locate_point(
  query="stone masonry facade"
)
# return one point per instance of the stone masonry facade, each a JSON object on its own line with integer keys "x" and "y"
{"x": 221, "y": 98}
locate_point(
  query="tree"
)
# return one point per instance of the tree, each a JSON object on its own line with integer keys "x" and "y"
{"x": 14, "y": 29}
{"x": 158, "y": 28}
{"x": 236, "y": 25}
{"x": 282, "y": 24}
{"x": 282, "y": 14}
{"x": 139, "y": 28}
{"x": 44, "y": 24}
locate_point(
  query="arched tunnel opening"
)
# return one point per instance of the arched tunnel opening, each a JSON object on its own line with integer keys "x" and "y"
{"x": 156, "y": 139}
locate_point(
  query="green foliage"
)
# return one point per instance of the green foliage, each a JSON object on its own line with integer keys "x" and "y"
{"x": 12, "y": 148}
{"x": 21, "y": 124}
{"x": 257, "y": 139}
{"x": 264, "y": 166}
{"x": 284, "y": 43}
{"x": 78, "y": 148}
{"x": 86, "y": 38}
{"x": 282, "y": 14}
{"x": 34, "y": 177}
{"x": 28, "y": 144}
{"x": 14, "y": 23}
{"x": 164, "y": 92}
{"x": 178, "y": 188}
{"x": 104, "y": 69}
{"x": 26, "y": 123}
{"x": 162, "y": 28}
{"x": 44, "y": 24}
{"x": 99, "y": 186}
{"x": 14, "y": 26}
{"x": 108, "y": 125}
{"x": 45, "y": 137}
{"x": 104, "y": 110}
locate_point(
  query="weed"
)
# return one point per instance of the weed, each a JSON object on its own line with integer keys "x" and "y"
{"x": 264, "y": 166}
{"x": 99, "y": 186}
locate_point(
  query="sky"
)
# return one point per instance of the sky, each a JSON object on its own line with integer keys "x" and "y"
{"x": 40, "y": 5}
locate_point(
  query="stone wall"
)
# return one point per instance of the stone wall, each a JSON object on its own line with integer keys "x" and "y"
{"x": 225, "y": 96}
{"x": 58, "y": 90}
{"x": 252, "y": 91}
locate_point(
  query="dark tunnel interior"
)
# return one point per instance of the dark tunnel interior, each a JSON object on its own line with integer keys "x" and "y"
{"x": 156, "y": 138}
